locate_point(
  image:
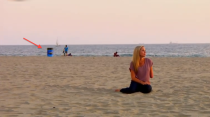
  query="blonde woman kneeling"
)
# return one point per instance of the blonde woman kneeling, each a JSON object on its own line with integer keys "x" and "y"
{"x": 141, "y": 72}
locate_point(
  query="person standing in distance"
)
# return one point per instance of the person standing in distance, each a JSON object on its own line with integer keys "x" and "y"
{"x": 65, "y": 50}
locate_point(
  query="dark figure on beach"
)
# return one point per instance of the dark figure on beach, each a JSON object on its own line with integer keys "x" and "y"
{"x": 65, "y": 50}
{"x": 69, "y": 54}
{"x": 115, "y": 54}
{"x": 141, "y": 71}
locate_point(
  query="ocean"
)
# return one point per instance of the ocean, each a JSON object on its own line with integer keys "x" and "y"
{"x": 152, "y": 50}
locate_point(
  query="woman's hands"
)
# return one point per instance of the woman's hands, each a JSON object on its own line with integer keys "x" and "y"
{"x": 145, "y": 83}
{"x": 133, "y": 77}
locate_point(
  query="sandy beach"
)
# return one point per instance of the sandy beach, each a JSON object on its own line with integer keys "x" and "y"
{"x": 84, "y": 87}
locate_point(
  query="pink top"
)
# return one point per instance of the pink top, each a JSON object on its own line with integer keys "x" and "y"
{"x": 143, "y": 73}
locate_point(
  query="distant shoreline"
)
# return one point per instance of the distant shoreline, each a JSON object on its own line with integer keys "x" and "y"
{"x": 98, "y": 57}
{"x": 107, "y": 44}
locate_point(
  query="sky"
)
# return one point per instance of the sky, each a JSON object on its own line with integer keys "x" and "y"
{"x": 104, "y": 21}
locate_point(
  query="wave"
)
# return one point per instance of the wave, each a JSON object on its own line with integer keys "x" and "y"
{"x": 109, "y": 55}
{"x": 121, "y": 55}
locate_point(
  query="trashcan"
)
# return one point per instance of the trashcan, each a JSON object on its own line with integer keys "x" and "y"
{"x": 50, "y": 52}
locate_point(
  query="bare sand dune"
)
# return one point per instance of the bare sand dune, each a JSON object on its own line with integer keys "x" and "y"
{"x": 84, "y": 87}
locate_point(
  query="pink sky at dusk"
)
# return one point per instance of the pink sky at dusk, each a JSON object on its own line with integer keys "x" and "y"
{"x": 104, "y": 21}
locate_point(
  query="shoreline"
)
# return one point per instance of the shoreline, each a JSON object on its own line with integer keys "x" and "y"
{"x": 109, "y": 56}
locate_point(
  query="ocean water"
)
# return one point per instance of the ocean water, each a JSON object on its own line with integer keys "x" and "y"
{"x": 153, "y": 50}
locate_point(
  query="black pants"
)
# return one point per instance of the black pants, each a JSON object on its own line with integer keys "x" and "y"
{"x": 136, "y": 87}
{"x": 65, "y": 53}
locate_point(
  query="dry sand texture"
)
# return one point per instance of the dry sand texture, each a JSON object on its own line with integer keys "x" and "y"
{"x": 84, "y": 87}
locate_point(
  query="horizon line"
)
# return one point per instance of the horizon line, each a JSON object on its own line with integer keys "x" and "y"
{"x": 106, "y": 44}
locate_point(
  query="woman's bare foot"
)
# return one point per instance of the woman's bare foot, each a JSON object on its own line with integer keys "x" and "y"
{"x": 117, "y": 90}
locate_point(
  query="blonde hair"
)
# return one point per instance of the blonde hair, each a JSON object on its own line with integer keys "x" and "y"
{"x": 136, "y": 57}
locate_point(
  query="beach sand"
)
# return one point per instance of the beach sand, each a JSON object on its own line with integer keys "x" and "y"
{"x": 84, "y": 87}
